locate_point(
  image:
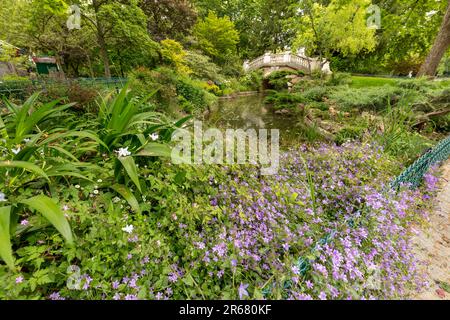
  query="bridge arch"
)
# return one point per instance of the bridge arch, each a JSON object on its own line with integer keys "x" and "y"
{"x": 271, "y": 62}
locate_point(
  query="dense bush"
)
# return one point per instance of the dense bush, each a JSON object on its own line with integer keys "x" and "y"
{"x": 174, "y": 90}
{"x": 252, "y": 81}
{"x": 278, "y": 80}
{"x": 315, "y": 93}
{"x": 284, "y": 100}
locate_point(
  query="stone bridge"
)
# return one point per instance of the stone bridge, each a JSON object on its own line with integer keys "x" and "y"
{"x": 271, "y": 62}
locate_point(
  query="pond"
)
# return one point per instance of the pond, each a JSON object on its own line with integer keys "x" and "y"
{"x": 251, "y": 112}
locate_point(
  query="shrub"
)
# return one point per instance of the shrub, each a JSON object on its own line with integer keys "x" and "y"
{"x": 202, "y": 67}
{"x": 193, "y": 95}
{"x": 278, "y": 80}
{"x": 422, "y": 85}
{"x": 319, "y": 105}
{"x": 339, "y": 79}
{"x": 252, "y": 81}
{"x": 284, "y": 100}
{"x": 366, "y": 98}
{"x": 315, "y": 93}
{"x": 174, "y": 55}
{"x": 349, "y": 133}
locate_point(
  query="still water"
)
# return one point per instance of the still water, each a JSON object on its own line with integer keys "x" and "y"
{"x": 251, "y": 112}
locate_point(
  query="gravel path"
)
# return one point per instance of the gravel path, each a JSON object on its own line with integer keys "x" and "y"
{"x": 433, "y": 245}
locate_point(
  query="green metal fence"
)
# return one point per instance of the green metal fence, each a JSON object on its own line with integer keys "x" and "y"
{"x": 413, "y": 175}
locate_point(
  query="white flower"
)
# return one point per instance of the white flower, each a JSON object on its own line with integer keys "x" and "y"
{"x": 430, "y": 13}
{"x": 116, "y": 199}
{"x": 95, "y": 191}
{"x": 65, "y": 207}
{"x": 2, "y": 197}
{"x": 128, "y": 229}
{"x": 123, "y": 152}
{"x": 77, "y": 186}
{"x": 16, "y": 151}
{"x": 26, "y": 140}
{"x": 154, "y": 136}
{"x": 99, "y": 180}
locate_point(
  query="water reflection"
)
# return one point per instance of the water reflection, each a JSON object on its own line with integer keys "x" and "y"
{"x": 250, "y": 112}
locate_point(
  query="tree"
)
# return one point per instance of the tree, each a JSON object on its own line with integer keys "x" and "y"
{"x": 169, "y": 19}
{"x": 12, "y": 18}
{"x": 339, "y": 27}
{"x": 173, "y": 54}
{"x": 217, "y": 37}
{"x": 439, "y": 48}
{"x": 408, "y": 28}
{"x": 260, "y": 23}
{"x": 115, "y": 23}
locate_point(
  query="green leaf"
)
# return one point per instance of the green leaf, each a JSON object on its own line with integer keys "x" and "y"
{"x": 3, "y": 132}
{"x": 127, "y": 195}
{"x": 130, "y": 167}
{"x": 50, "y": 210}
{"x": 155, "y": 150}
{"x": 24, "y": 165}
{"x": 5, "y": 241}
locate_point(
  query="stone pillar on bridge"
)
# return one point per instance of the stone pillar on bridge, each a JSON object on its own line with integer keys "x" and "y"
{"x": 246, "y": 65}
{"x": 326, "y": 68}
{"x": 301, "y": 52}
{"x": 287, "y": 56}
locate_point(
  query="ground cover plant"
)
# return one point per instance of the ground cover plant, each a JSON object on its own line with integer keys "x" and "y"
{"x": 327, "y": 216}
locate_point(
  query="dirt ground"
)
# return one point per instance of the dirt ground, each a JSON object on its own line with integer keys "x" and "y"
{"x": 433, "y": 244}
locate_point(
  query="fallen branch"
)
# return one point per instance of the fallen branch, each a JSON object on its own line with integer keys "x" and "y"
{"x": 427, "y": 117}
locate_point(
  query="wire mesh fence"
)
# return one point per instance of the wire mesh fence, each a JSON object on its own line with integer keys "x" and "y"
{"x": 413, "y": 175}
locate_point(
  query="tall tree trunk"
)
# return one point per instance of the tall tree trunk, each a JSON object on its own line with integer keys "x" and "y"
{"x": 104, "y": 55}
{"x": 101, "y": 40}
{"x": 440, "y": 45}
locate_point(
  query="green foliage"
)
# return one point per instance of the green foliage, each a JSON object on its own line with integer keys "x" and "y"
{"x": 420, "y": 85}
{"x": 193, "y": 95}
{"x": 253, "y": 81}
{"x": 202, "y": 68}
{"x": 180, "y": 92}
{"x": 260, "y": 23}
{"x": 340, "y": 79}
{"x": 375, "y": 98}
{"x": 47, "y": 207}
{"x": 284, "y": 100}
{"x": 278, "y": 79}
{"x": 315, "y": 93}
{"x": 174, "y": 55}
{"x": 169, "y": 19}
{"x": 337, "y": 26}
{"x": 5, "y": 242}
{"x": 349, "y": 133}
{"x": 217, "y": 37}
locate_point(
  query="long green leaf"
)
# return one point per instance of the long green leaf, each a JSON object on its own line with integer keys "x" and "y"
{"x": 3, "y": 132}
{"x": 5, "y": 241}
{"x": 155, "y": 150}
{"x": 127, "y": 195}
{"x": 50, "y": 210}
{"x": 24, "y": 165}
{"x": 80, "y": 134}
{"x": 130, "y": 167}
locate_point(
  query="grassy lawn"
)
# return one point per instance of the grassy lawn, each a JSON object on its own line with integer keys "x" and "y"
{"x": 361, "y": 82}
